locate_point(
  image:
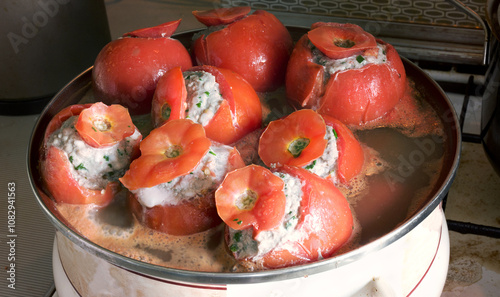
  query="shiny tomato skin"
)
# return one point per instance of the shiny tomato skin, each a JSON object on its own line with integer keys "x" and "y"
{"x": 169, "y": 151}
{"x": 351, "y": 158}
{"x": 101, "y": 125}
{"x": 239, "y": 114}
{"x": 163, "y": 30}
{"x": 326, "y": 217}
{"x": 268, "y": 208}
{"x": 278, "y": 138}
{"x": 332, "y": 39}
{"x": 189, "y": 217}
{"x": 257, "y": 47}
{"x": 169, "y": 99}
{"x": 126, "y": 70}
{"x": 304, "y": 78}
{"x": 376, "y": 89}
{"x": 58, "y": 119}
{"x": 56, "y": 174}
{"x": 221, "y": 16}
{"x": 243, "y": 112}
{"x": 353, "y": 96}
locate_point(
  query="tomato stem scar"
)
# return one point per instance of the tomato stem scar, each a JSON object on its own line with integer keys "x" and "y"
{"x": 343, "y": 43}
{"x": 173, "y": 151}
{"x": 165, "y": 112}
{"x": 297, "y": 146}
{"x": 246, "y": 200}
{"x": 102, "y": 124}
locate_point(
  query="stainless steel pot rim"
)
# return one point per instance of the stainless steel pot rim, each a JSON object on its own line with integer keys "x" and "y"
{"x": 197, "y": 277}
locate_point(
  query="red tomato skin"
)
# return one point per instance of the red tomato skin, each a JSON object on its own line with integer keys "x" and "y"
{"x": 275, "y": 141}
{"x": 189, "y": 217}
{"x": 257, "y": 47}
{"x": 154, "y": 166}
{"x": 183, "y": 219}
{"x": 127, "y": 70}
{"x": 170, "y": 90}
{"x": 322, "y": 35}
{"x": 118, "y": 118}
{"x": 321, "y": 199}
{"x": 376, "y": 89}
{"x": 304, "y": 78}
{"x": 268, "y": 210}
{"x": 243, "y": 112}
{"x": 221, "y": 16}
{"x": 353, "y": 96}
{"x": 57, "y": 121}
{"x": 64, "y": 188}
{"x": 163, "y": 30}
{"x": 351, "y": 158}
{"x": 239, "y": 114}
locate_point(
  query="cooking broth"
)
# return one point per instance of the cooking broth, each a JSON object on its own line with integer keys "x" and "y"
{"x": 394, "y": 194}
{"x": 404, "y": 157}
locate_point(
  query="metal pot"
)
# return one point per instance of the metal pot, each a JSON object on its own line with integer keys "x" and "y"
{"x": 48, "y": 42}
{"x": 412, "y": 257}
{"x": 416, "y": 264}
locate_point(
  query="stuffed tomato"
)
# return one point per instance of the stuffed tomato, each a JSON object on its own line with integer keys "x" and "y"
{"x": 319, "y": 143}
{"x": 283, "y": 217}
{"x": 342, "y": 71}
{"x": 127, "y": 69}
{"x": 219, "y": 99}
{"x": 86, "y": 149}
{"x": 256, "y": 46}
{"x": 172, "y": 183}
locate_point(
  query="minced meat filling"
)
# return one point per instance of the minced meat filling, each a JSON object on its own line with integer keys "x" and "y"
{"x": 353, "y": 62}
{"x": 203, "y": 96}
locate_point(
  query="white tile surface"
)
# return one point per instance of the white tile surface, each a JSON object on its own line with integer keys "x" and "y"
{"x": 474, "y": 197}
